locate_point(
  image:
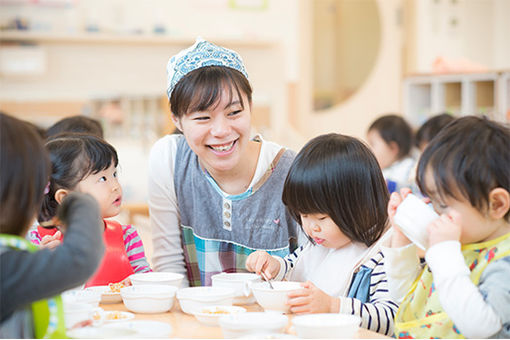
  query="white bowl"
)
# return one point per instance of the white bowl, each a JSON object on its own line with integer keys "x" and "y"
{"x": 240, "y": 282}
{"x": 274, "y": 300}
{"x": 244, "y": 324}
{"x": 328, "y": 325}
{"x": 157, "y": 278}
{"x": 193, "y": 299}
{"x": 107, "y": 296}
{"x": 412, "y": 216}
{"x": 211, "y": 314}
{"x": 148, "y": 298}
{"x": 82, "y": 296}
{"x": 103, "y": 332}
{"x": 77, "y": 312}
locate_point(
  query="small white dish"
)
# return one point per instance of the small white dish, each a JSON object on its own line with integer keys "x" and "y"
{"x": 257, "y": 324}
{"x": 157, "y": 278}
{"x": 327, "y": 325}
{"x": 116, "y": 316}
{"x": 274, "y": 299}
{"x": 210, "y": 315}
{"x": 192, "y": 299}
{"x": 413, "y": 216}
{"x": 107, "y": 296}
{"x": 144, "y": 328}
{"x": 148, "y": 298}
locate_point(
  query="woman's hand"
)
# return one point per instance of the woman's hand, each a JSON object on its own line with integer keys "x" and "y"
{"x": 311, "y": 299}
{"x": 443, "y": 229}
{"x": 51, "y": 241}
{"x": 260, "y": 261}
{"x": 398, "y": 239}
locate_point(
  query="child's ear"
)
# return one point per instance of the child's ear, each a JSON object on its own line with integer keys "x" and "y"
{"x": 394, "y": 148}
{"x": 176, "y": 121}
{"x": 499, "y": 203}
{"x": 60, "y": 195}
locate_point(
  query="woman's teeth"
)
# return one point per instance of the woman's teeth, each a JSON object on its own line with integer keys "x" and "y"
{"x": 223, "y": 147}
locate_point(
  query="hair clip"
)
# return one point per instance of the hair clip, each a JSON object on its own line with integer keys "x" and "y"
{"x": 47, "y": 188}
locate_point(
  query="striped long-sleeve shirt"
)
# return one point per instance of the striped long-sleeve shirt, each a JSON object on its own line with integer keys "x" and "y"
{"x": 332, "y": 270}
{"x": 132, "y": 243}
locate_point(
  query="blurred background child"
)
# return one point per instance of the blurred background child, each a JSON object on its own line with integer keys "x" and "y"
{"x": 82, "y": 124}
{"x": 430, "y": 129}
{"x": 31, "y": 279}
{"x": 391, "y": 140}
{"x": 336, "y": 192}
{"x": 88, "y": 164}
{"x": 463, "y": 289}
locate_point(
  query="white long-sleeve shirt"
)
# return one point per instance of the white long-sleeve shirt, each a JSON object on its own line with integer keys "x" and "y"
{"x": 332, "y": 271}
{"x": 477, "y": 311}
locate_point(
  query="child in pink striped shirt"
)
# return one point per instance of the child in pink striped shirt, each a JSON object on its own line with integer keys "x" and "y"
{"x": 88, "y": 164}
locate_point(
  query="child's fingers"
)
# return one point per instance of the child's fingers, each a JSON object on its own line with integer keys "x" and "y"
{"x": 405, "y": 191}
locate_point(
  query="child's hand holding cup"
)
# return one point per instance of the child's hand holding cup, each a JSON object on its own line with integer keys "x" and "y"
{"x": 412, "y": 217}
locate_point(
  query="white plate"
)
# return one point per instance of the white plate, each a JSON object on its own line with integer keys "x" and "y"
{"x": 144, "y": 329}
{"x": 107, "y": 296}
{"x": 211, "y": 314}
{"x": 116, "y": 316}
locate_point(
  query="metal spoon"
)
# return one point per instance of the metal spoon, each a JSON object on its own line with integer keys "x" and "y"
{"x": 267, "y": 280}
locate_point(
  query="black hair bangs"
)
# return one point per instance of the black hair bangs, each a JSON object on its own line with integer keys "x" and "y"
{"x": 203, "y": 88}
{"x": 466, "y": 160}
{"x": 338, "y": 176}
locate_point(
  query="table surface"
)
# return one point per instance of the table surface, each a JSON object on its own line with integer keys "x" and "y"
{"x": 187, "y": 326}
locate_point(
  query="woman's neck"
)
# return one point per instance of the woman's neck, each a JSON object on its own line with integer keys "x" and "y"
{"x": 237, "y": 180}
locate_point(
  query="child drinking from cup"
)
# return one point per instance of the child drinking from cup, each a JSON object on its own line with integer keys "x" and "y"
{"x": 336, "y": 192}
{"x": 88, "y": 164}
{"x": 31, "y": 279}
{"x": 462, "y": 291}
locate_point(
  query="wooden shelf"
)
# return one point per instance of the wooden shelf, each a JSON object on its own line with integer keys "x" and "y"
{"x": 460, "y": 94}
{"x": 134, "y": 39}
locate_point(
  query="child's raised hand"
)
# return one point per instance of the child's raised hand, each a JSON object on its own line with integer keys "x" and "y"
{"x": 51, "y": 241}
{"x": 259, "y": 261}
{"x": 311, "y": 299}
{"x": 398, "y": 239}
{"x": 443, "y": 229}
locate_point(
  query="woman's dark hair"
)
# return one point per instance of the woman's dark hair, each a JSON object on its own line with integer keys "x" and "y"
{"x": 202, "y": 88}
{"x": 431, "y": 128}
{"x": 339, "y": 176}
{"x": 24, "y": 170}
{"x": 467, "y": 159}
{"x": 394, "y": 128}
{"x": 74, "y": 156}
{"x": 78, "y": 123}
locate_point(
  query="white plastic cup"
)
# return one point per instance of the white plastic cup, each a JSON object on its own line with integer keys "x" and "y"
{"x": 413, "y": 216}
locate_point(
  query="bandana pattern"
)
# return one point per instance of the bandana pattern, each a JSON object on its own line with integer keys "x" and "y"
{"x": 201, "y": 54}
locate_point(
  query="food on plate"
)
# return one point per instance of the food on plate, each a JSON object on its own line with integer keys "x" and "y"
{"x": 115, "y": 287}
{"x": 116, "y": 316}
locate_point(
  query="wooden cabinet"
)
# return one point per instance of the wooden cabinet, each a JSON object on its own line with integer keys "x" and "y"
{"x": 459, "y": 94}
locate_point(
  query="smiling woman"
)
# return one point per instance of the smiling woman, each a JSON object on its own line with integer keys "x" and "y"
{"x": 214, "y": 188}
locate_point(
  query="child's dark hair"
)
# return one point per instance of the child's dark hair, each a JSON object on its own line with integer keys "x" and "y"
{"x": 202, "y": 88}
{"x": 339, "y": 176}
{"x": 467, "y": 159}
{"x": 80, "y": 124}
{"x": 394, "y": 128}
{"x": 73, "y": 157}
{"x": 431, "y": 128}
{"x": 24, "y": 170}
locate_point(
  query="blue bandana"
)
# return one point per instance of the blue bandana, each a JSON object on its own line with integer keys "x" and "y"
{"x": 201, "y": 54}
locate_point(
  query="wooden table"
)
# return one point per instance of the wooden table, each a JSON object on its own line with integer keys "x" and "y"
{"x": 187, "y": 326}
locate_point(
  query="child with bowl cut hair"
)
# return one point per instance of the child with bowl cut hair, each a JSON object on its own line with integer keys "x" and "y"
{"x": 463, "y": 289}
{"x": 336, "y": 192}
